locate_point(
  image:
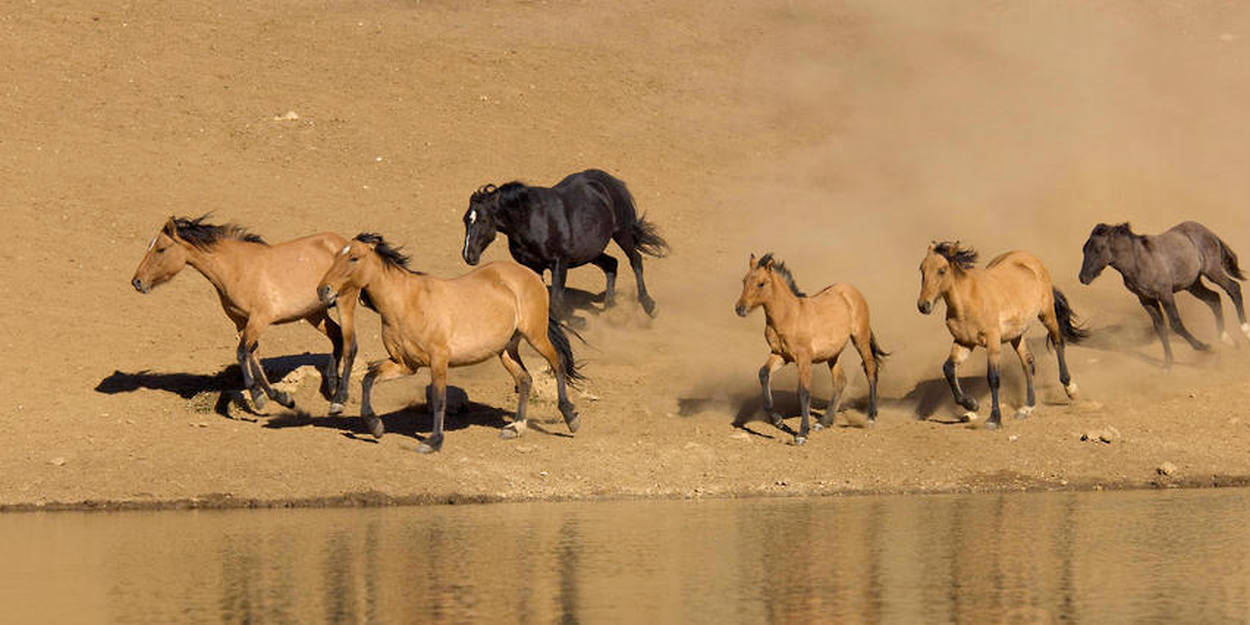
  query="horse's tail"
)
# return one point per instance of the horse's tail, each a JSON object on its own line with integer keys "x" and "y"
{"x": 647, "y": 239}
{"x": 1229, "y": 259}
{"x": 556, "y": 333}
{"x": 879, "y": 355}
{"x": 1069, "y": 324}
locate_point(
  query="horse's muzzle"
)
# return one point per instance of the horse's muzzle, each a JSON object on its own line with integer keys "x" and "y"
{"x": 925, "y": 306}
{"x": 741, "y": 310}
{"x": 139, "y": 286}
{"x": 327, "y": 295}
{"x": 1086, "y": 278}
{"x": 471, "y": 258}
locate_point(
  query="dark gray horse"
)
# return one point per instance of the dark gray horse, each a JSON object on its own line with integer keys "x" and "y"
{"x": 1156, "y": 266}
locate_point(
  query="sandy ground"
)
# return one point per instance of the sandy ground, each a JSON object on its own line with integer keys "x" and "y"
{"x": 842, "y": 136}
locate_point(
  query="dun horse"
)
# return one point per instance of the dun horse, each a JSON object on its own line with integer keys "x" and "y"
{"x": 806, "y": 330}
{"x": 562, "y": 227}
{"x": 1156, "y": 266}
{"x": 259, "y": 285}
{"x": 437, "y": 323}
{"x": 991, "y": 306}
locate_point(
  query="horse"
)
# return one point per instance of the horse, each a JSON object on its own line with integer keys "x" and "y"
{"x": 809, "y": 329}
{"x": 440, "y": 323}
{"x": 991, "y": 306}
{"x": 259, "y": 285}
{"x": 1156, "y": 266}
{"x": 562, "y": 227}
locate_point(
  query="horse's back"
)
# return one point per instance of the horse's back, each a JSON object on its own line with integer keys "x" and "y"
{"x": 1021, "y": 282}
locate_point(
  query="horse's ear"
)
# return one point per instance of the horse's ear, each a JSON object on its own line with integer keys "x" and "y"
{"x": 751, "y": 263}
{"x": 171, "y": 228}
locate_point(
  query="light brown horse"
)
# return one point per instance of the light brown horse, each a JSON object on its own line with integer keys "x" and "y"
{"x": 991, "y": 306}
{"x": 439, "y": 323}
{"x": 806, "y": 330}
{"x": 259, "y": 285}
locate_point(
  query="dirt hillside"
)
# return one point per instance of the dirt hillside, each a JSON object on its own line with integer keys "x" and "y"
{"x": 841, "y": 136}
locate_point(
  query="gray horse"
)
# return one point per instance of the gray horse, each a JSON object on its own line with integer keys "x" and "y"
{"x": 1156, "y": 266}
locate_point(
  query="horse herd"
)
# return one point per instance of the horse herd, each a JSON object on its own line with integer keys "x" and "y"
{"x": 441, "y": 323}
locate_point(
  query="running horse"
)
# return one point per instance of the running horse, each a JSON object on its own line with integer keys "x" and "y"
{"x": 437, "y": 323}
{"x": 991, "y": 306}
{"x": 1154, "y": 266}
{"x": 259, "y": 285}
{"x": 562, "y": 227}
{"x": 809, "y": 329}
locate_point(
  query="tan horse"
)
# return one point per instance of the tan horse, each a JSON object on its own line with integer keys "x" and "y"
{"x": 991, "y": 306}
{"x": 437, "y": 323}
{"x": 259, "y": 285}
{"x": 806, "y": 330}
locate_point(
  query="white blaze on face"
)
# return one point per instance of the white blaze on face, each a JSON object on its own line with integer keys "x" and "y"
{"x": 152, "y": 244}
{"x": 346, "y": 248}
{"x": 472, "y": 220}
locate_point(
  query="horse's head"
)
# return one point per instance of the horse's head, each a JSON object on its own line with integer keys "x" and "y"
{"x": 756, "y": 285}
{"x": 480, "y": 223}
{"x": 166, "y": 256}
{"x": 353, "y": 270}
{"x": 941, "y": 263}
{"x": 1097, "y": 250}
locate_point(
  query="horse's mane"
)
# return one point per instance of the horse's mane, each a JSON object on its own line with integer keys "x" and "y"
{"x": 768, "y": 262}
{"x": 391, "y": 256}
{"x": 203, "y": 235}
{"x": 1105, "y": 229}
{"x": 506, "y": 196}
{"x": 959, "y": 257}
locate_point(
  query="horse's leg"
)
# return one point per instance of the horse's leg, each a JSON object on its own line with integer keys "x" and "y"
{"x": 1212, "y": 300}
{"x": 625, "y": 239}
{"x": 438, "y": 408}
{"x": 1161, "y": 329}
{"x": 347, "y": 336}
{"x": 863, "y": 345}
{"x": 253, "y": 374}
{"x": 959, "y": 354}
{"x": 331, "y": 329}
{"x": 1233, "y": 289}
{"x": 1174, "y": 317}
{"x": 258, "y": 371}
{"x": 1048, "y": 318}
{"x": 243, "y": 355}
{"x": 804, "y": 362}
{"x": 511, "y": 360}
{"x": 608, "y": 264}
{"x": 379, "y": 371}
{"x": 539, "y": 341}
{"x": 1030, "y": 368}
{"x": 835, "y": 396}
{"x": 773, "y": 363}
{"x": 993, "y": 355}
{"x": 559, "y": 274}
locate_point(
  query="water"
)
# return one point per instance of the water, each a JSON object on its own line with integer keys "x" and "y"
{"x": 1139, "y": 557}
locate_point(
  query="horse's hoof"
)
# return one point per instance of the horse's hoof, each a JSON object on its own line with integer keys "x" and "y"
{"x": 648, "y": 306}
{"x": 508, "y": 433}
{"x": 990, "y": 424}
{"x": 970, "y": 404}
{"x": 870, "y": 423}
{"x": 1228, "y": 339}
{"x": 577, "y": 323}
{"x": 259, "y": 400}
{"x": 1024, "y": 412}
{"x": 775, "y": 419}
{"x": 1071, "y": 389}
{"x": 799, "y": 440}
{"x": 968, "y": 417}
{"x": 423, "y": 448}
{"x": 282, "y": 397}
{"x": 336, "y": 409}
{"x": 574, "y": 424}
{"x": 375, "y": 426}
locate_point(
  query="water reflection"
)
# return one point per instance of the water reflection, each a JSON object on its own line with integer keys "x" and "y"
{"x": 1099, "y": 557}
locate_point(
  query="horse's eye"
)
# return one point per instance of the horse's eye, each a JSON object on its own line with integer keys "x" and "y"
{"x": 760, "y": 284}
{"x": 942, "y": 271}
{"x": 161, "y": 250}
{"x": 353, "y": 259}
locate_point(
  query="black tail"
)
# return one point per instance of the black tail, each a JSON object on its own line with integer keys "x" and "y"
{"x": 647, "y": 239}
{"x": 878, "y": 354}
{"x": 1069, "y": 324}
{"x": 1229, "y": 258}
{"x": 560, "y": 340}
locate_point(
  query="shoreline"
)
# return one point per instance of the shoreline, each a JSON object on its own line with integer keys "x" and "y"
{"x": 376, "y": 499}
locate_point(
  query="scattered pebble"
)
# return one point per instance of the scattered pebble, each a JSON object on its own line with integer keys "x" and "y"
{"x": 1167, "y": 468}
{"x": 286, "y": 117}
{"x": 1107, "y": 435}
{"x": 1013, "y": 438}
{"x": 57, "y": 461}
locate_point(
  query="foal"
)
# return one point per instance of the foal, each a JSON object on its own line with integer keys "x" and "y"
{"x": 259, "y": 285}
{"x": 440, "y": 323}
{"x": 806, "y": 330}
{"x": 1156, "y": 266}
{"x": 991, "y": 306}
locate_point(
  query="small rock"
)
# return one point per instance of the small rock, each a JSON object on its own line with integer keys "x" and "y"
{"x": 286, "y": 117}
{"x": 1167, "y": 468}
{"x": 1013, "y": 438}
{"x": 543, "y": 474}
{"x": 1109, "y": 434}
{"x": 57, "y": 461}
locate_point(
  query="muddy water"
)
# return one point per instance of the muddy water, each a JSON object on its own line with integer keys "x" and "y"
{"x": 1137, "y": 557}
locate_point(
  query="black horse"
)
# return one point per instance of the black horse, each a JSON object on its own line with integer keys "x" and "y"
{"x": 1156, "y": 266}
{"x": 562, "y": 227}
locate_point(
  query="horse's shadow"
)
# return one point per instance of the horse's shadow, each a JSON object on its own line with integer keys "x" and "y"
{"x": 412, "y": 421}
{"x": 750, "y": 409}
{"x": 929, "y": 396}
{"x": 228, "y": 382}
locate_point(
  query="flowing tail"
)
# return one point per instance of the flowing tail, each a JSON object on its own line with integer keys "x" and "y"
{"x": 560, "y": 340}
{"x": 1229, "y": 258}
{"x": 1069, "y": 324}
{"x": 878, "y": 354}
{"x": 647, "y": 239}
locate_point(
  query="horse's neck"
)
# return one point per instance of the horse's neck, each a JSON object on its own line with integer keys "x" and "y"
{"x": 217, "y": 267}
{"x": 957, "y": 296}
{"x": 392, "y": 292}
{"x": 782, "y": 308}
{"x": 1126, "y": 254}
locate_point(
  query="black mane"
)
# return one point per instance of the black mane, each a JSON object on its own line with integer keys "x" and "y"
{"x": 960, "y": 257}
{"x": 1108, "y": 229}
{"x": 203, "y": 235}
{"x": 782, "y": 271}
{"x": 391, "y": 256}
